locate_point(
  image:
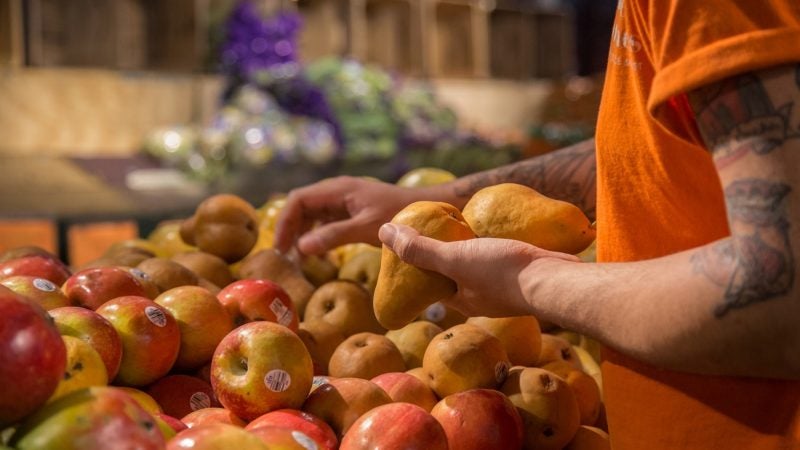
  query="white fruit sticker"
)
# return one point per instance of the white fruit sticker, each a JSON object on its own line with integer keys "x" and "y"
{"x": 156, "y": 316}
{"x": 44, "y": 285}
{"x": 282, "y": 313}
{"x": 501, "y": 371}
{"x": 199, "y": 400}
{"x": 304, "y": 440}
{"x": 435, "y": 312}
{"x": 318, "y": 381}
{"x": 140, "y": 273}
{"x": 277, "y": 380}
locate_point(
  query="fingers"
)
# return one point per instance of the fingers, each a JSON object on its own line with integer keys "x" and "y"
{"x": 329, "y": 236}
{"x": 413, "y": 248}
{"x": 303, "y": 207}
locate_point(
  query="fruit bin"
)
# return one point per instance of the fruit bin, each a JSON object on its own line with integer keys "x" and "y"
{"x": 200, "y": 323}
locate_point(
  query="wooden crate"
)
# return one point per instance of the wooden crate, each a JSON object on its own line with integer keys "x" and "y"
{"x": 327, "y": 29}
{"x": 552, "y": 49}
{"x": 511, "y": 36}
{"x": 11, "y": 33}
{"x": 394, "y": 35}
{"x": 117, "y": 34}
{"x": 458, "y": 40}
{"x": 527, "y": 42}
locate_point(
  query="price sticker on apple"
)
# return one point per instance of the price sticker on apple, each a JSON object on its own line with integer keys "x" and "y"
{"x": 199, "y": 400}
{"x": 44, "y": 285}
{"x": 302, "y": 439}
{"x": 156, "y": 316}
{"x": 435, "y": 312}
{"x": 282, "y": 313}
{"x": 140, "y": 274}
{"x": 278, "y": 380}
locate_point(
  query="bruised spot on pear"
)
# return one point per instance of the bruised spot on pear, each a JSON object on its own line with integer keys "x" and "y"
{"x": 404, "y": 291}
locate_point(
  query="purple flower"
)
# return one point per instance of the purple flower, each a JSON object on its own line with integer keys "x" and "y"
{"x": 253, "y": 42}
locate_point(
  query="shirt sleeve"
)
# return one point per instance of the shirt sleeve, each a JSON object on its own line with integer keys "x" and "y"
{"x": 698, "y": 42}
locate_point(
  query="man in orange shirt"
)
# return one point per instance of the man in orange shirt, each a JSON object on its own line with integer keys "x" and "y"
{"x": 696, "y": 296}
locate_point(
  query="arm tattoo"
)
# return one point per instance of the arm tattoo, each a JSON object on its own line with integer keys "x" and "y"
{"x": 737, "y": 117}
{"x": 567, "y": 174}
{"x": 757, "y": 262}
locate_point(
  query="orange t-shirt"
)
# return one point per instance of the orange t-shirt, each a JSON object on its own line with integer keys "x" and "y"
{"x": 659, "y": 193}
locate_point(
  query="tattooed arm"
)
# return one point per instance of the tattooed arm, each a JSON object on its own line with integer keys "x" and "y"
{"x": 567, "y": 174}
{"x": 730, "y": 307}
{"x": 351, "y": 209}
{"x": 737, "y": 307}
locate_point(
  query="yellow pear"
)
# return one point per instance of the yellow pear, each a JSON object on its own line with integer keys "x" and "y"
{"x": 403, "y": 291}
{"x": 413, "y": 339}
{"x": 548, "y": 408}
{"x": 464, "y": 357}
{"x": 520, "y": 336}
{"x": 589, "y": 438}
{"x": 590, "y": 366}
{"x": 425, "y": 176}
{"x": 556, "y": 348}
{"x": 321, "y": 340}
{"x": 365, "y": 355}
{"x": 363, "y": 268}
{"x": 584, "y": 387}
{"x": 514, "y": 211}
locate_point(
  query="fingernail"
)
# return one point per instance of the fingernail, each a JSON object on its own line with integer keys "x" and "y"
{"x": 387, "y": 233}
{"x": 309, "y": 245}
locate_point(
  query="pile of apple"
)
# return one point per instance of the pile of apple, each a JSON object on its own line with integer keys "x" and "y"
{"x": 202, "y": 336}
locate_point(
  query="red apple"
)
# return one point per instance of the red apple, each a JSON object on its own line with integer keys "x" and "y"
{"x": 207, "y": 416}
{"x": 307, "y": 423}
{"x": 397, "y": 426}
{"x": 260, "y": 367}
{"x": 175, "y": 424}
{"x": 280, "y": 438}
{"x": 39, "y": 266}
{"x": 253, "y": 300}
{"x": 404, "y": 387}
{"x": 341, "y": 401}
{"x": 93, "y": 328}
{"x": 27, "y": 250}
{"x": 93, "y": 418}
{"x": 32, "y": 357}
{"x": 92, "y": 287}
{"x": 464, "y": 416}
{"x": 147, "y": 282}
{"x": 39, "y": 290}
{"x": 178, "y": 395}
{"x": 216, "y": 436}
{"x": 203, "y": 322}
{"x": 150, "y": 338}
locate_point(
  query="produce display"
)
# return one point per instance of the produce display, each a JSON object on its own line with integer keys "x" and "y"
{"x": 202, "y": 336}
{"x": 331, "y": 114}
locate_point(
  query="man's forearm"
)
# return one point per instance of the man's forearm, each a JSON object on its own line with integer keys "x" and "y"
{"x": 667, "y": 312}
{"x": 567, "y": 174}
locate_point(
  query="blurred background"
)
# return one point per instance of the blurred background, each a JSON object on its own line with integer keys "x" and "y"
{"x": 116, "y": 115}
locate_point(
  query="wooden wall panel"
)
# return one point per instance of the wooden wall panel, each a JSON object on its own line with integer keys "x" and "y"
{"x": 12, "y": 51}
{"x": 90, "y": 112}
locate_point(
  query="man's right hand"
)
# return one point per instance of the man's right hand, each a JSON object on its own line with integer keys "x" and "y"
{"x": 338, "y": 211}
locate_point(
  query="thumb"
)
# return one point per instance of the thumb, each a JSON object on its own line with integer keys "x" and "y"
{"x": 412, "y": 247}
